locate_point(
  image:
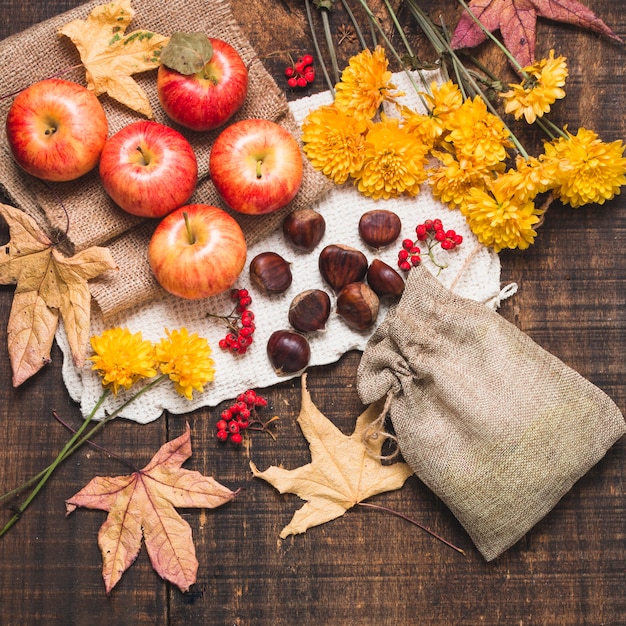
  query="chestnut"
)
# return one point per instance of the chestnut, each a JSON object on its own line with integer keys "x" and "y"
{"x": 270, "y": 272}
{"x": 304, "y": 228}
{"x": 379, "y": 228}
{"x": 358, "y": 305}
{"x": 384, "y": 280}
{"x": 309, "y": 310}
{"x": 340, "y": 265}
{"x": 288, "y": 351}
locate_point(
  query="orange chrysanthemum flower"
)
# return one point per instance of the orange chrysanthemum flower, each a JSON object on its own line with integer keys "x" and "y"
{"x": 333, "y": 142}
{"x": 365, "y": 84}
{"x": 542, "y": 86}
{"x": 478, "y": 134}
{"x": 499, "y": 220}
{"x": 590, "y": 171}
{"x": 393, "y": 161}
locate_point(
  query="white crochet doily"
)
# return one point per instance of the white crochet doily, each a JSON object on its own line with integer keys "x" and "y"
{"x": 473, "y": 271}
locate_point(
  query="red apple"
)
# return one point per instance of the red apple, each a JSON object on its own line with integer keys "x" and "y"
{"x": 148, "y": 169}
{"x": 197, "y": 251}
{"x": 56, "y": 130}
{"x": 209, "y": 97}
{"x": 256, "y": 166}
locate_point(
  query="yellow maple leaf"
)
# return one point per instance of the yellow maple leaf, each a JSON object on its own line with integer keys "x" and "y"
{"x": 48, "y": 284}
{"x": 142, "y": 504}
{"x": 343, "y": 470}
{"x": 111, "y": 57}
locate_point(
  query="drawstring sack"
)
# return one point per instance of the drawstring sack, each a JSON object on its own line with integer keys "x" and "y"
{"x": 496, "y": 426}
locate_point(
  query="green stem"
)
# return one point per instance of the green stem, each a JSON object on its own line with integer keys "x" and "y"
{"x": 75, "y": 442}
{"x": 550, "y": 128}
{"x": 48, "y": 472}
{"x": 318, "y": 52}
{"x": 331, "y": 47}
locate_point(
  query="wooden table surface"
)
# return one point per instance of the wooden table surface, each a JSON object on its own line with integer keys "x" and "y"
{"x": 367, "y": 567}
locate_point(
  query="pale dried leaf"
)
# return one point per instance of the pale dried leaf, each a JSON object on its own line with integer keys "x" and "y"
{"x": 111, "y": 57}
{"x": 343, "y": 470}
{"x": 48, "y": 284}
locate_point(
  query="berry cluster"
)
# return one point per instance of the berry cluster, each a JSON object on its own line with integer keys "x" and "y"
{"x": 239, "y": 416}
{"x": 301, "y": 72}
{"x": 240, "y": 323}
{"x": 431, "y": 232}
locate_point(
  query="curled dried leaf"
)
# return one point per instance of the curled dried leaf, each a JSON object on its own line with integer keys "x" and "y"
{"x": 187, "y": 53}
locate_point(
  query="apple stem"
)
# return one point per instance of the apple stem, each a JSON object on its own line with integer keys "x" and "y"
{"x": 259, "y": 173}
{"x": 190, "y": 234}
{"x": 144, "y": 160}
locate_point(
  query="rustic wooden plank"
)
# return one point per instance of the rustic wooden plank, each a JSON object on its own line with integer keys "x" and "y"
{"x": 368, "y": 567}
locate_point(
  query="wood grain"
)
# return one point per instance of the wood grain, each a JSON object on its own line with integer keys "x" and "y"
{"x": 366, "y": 568}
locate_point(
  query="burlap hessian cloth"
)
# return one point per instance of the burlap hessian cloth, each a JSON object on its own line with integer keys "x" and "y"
{"x": 496, "y": 426}
{"x": 81, "y": 208}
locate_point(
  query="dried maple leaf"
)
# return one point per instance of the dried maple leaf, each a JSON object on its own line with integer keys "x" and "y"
{"x": 517, "y": 20}
{"x": 343, "y": 470}
{"x": 111, "y": 58}
{"x": 143, "y": 503}
{"x": 48, "y": 284}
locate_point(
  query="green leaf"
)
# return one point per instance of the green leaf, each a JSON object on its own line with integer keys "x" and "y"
{"x": 187, "y": 53}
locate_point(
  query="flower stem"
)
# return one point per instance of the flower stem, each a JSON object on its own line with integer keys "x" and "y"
{"x": 318, "y": 52}
{"x": 75, "y": 442}
{"x": 50, "y": 469}
{"x": 414, "y": 522}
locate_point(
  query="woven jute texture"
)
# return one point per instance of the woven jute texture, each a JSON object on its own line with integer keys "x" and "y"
{"x": 81, "y": 208}
{"x": 496, "y": 426}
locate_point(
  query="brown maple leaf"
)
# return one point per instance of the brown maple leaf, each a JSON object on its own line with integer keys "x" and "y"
{"x": 517, "y": 20}
{"x": 111, "y": 58}
{"x": 143, "y": 504}
{"x": 343, "y": 470}
{"x": 48, "y": 284}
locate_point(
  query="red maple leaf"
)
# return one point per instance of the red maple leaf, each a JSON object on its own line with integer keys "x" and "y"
{"x": 517, "y": 21}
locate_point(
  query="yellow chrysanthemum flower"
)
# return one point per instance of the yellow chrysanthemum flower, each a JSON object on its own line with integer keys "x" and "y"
{"x": 186, "y": 359}
{"x": 542, "y": 86}
{"x": 393, "y": 161}
{"x": 452, "y": 180}
{"x": 426, "y": 128}
{"x": 500, "y": 221}
{"x": 476, "y": 133}
{"x": 333, "y": 142}
{"x": 365, "y": 84}
{"x": 122, "y": 358}
{"x": 591, "y": 171}
{"x": 529, "y": 178}
{"x": 443, "y": 99}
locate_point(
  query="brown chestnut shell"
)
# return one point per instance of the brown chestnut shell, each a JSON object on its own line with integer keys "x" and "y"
{"x": 309, "y": 310}
{"x": 358, "y": 305}
{"x": 270, "y": 272}
{"x": 288, "y": 351}
{"x": 304, "y": 228}
{"x": 384, "y": 280}
{"x": 340, "y": 265}
{"x": 379, "y": 228}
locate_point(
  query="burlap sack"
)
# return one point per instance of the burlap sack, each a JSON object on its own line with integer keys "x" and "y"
{"x": 93, "y": 219}
{"x": 496, "y": 426}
